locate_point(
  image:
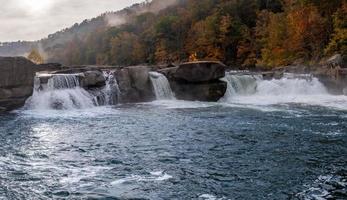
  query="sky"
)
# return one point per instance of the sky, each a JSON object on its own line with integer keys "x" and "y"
{"x": 35, "y": 19}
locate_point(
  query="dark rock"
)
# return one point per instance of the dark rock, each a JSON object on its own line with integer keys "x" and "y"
{"x": 93, "y": 79}
{"x": 12, "y": 103}
{"x": 335, "y": 61}
{"x": 48, "y": 67}
{"x": 195, "y": 72}
{"x": 16, "y": 81}
{"x": 169, "y": 72}
{"x": 208, "y": 91}
{"x": 197, "y": 81}
{"x": 134, "y": 84}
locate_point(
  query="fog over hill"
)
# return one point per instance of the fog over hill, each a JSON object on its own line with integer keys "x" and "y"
{"x": 80, "y": 30}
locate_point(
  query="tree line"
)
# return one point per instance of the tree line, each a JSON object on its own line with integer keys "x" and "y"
{"x": 242, "y": 33}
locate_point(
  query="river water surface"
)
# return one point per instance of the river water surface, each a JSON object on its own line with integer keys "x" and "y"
{"x": 176, "y": 150}
{"x": 265, "y": 139}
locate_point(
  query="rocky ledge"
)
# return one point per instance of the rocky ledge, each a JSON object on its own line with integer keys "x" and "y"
{"x": 197, "y": 81}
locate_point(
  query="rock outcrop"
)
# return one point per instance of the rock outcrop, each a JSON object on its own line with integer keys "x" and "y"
{"x": 16, "y": 82}
{"x": 134, "y": 84}
{"x": 197, "y": 81}
{"x": 197, "y": 72}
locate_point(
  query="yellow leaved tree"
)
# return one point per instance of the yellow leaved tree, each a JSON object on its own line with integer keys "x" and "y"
{"x": 35, "y": 56}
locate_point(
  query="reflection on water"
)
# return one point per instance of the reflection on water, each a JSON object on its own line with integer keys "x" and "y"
{"x": 175, "y": 150}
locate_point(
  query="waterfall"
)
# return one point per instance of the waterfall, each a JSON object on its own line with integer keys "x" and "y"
{"x": 64, "y": 81}
{"x": 241, "y": 84}
{"x": 63, "y": 92}
{"x": 161, "y": 86}
{"x": 109, "y": 95}
{"x": 253, "y": 88}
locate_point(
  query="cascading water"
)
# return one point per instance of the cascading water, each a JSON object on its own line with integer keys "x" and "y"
{"x": 63, "y": 92}
{"x": 63, "y": 81}
{"x": 112, "y": 89}
{"x": 288, "y": 86}
{"x": 241, "y": 84}
{"x": 161, "y": 86}
{"x": 109, "y": 95}
{"x": 253, "y": 89}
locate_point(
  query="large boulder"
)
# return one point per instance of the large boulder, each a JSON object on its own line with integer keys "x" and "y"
{"x": 92, "y": 79}
{"x": 16, "y": 82}
{"x": 208, "y": 91}
{"x": 201, "y": 71}
{"x": 197, "y": 81}
{"x": 134, "y": 84}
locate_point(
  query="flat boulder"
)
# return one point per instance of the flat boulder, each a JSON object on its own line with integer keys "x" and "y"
{"x": 202, "y": 71}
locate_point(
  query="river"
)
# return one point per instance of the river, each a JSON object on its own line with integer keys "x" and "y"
{"x": 285, "y": 143}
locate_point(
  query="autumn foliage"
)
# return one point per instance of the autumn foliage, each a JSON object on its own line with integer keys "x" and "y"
{"x": 241, "y": 33}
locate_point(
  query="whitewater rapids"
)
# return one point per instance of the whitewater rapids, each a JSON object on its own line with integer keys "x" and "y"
{"x": 291, "y": 89}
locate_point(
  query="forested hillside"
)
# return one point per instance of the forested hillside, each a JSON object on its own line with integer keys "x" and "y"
{"x": 238, "y": 32}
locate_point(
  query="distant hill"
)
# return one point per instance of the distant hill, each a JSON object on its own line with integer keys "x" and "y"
{"x": 20, "y": 48}
{"x": 80, "y": 30}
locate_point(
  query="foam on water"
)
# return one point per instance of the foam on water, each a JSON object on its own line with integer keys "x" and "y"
{"x": 325, "y": 187}
{"x": 93, "y": 112}
{"x": 75, "y": 175}
{"x": 153, "y": 176}
{"x": 63, "y": 99}
{"x": 180, "y": 104}
{"x": 210, "y": 197}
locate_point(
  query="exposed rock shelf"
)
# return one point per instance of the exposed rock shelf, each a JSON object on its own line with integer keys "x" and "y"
{"x": 197, "y": 81}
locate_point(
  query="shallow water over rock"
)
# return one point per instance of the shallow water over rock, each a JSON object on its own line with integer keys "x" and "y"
{"x": 174, "y": 150}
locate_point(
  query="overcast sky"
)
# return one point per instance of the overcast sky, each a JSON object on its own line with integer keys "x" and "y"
{"x": 35, "y": 19}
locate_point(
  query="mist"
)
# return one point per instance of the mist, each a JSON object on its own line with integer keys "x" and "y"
{"x": 25, "y": 20}
{"x": 155, "y": 6}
